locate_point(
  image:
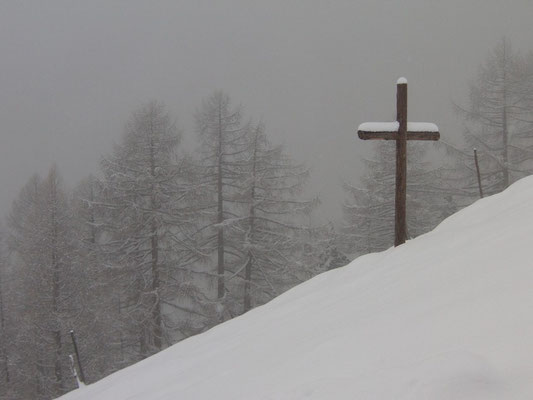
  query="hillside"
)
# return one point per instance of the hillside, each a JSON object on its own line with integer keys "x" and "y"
{"x": 448, "y": 315}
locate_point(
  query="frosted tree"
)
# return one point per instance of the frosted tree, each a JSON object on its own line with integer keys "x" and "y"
{"x": 331, "y": 257}
{"x": 41, "y": 243}
{"x": 253, "y": 211}
{"x": 498, "y": 122}
{"x": 97, "y": 335}
{"x": 25, "y": 380}
{"x": 148, "y": 228}
{"x": 274, "y": 220}
{"x": 223, "y": 145}
{"x": 369, "y": 208}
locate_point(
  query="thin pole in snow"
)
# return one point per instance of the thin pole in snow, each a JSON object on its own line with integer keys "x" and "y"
{"x": 478, "y": 174}
{"x": 82, "y": 375}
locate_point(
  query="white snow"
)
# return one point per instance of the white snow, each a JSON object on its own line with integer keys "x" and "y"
{"x": 448, "y": 315}
{"x": 393, "y": 127}
{"x": 422, "y": 127}
{"x": 379, "y": 127}
{"x": 401, "y": 81}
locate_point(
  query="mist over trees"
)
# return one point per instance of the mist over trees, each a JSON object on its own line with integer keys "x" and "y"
{"x": 47, "y": 286}
{"x": 274, "y": 226}
{"x": 147, "y": 222}
{"x": 164, "y": 242}
{"x": 254, "y": 215}
{"x": 161, "y": 244}
{"x": 498, "y": 122}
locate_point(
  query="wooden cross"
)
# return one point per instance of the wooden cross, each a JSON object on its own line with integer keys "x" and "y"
{"x": 401, "y": 131}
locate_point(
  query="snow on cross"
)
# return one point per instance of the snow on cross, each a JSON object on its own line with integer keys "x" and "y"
{"x": 401, "y": 131}
{"x": 412, "y": 127}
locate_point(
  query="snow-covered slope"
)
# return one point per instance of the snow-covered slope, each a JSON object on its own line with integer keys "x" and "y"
{"x": 448, "y": 315}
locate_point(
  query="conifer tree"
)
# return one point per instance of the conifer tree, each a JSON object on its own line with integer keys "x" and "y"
{"x": 498, "y": 122}
{"x": 46, "y": 279}
{"x": 223, "y": 145}
{"x": 148, "y": 227}
{"x": 274, "y": 220}
{"x": 98, "y": 335}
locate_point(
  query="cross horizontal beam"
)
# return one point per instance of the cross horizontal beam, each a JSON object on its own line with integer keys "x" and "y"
{"x": 388, "y": 135}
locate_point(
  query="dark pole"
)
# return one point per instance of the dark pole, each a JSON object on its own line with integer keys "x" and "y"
{"x": 82, "y": 375}
{"x": 478, "y": 175}
{"x": 400, "y": 230}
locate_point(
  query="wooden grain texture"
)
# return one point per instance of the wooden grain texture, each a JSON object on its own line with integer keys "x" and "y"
{"x": 372, "y": 135}
{"x": 400, "y": 220}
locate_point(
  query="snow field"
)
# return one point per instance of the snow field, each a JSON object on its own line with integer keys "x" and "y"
{"x": 448, "y": 315}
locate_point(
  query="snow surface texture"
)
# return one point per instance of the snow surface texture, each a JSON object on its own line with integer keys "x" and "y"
{"x": 448, "y": 315}
{"x": 422, "y": 127}
{"x": 401, "y": 81}
{"x": 393, "y": 127}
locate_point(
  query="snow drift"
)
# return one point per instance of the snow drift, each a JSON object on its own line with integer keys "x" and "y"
{"x": 448, "y": 315}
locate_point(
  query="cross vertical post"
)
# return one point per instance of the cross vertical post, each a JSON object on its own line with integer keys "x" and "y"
{"x": 401, "y": 131}
{"x": 400, "y": 224}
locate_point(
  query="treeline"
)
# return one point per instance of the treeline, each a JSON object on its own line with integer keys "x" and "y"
{"x": 160, "y": 245}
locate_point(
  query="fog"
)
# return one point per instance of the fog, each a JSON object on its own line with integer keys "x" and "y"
{"x": 73, "y": 71}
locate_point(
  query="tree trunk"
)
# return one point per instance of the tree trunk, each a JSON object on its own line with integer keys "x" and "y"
{"x": 249, "y": 264}
{"x": 505, "y": 133}
{"x": 505, "y": 155}
{"x": 57, "y": 362}
{"x": 56, "y": 273}
{"x": 220, "y": 213}
{"x": 143, "y": 348}
{"x": 156, "y": 310}
{"x": 3, "y": 350}
{"x": 40, "y": 378}
{"x": 92, "y": 218}
{"x": 247, "y": 283}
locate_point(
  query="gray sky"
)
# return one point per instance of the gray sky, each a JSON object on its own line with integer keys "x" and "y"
{"x": 71, "y": 72}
